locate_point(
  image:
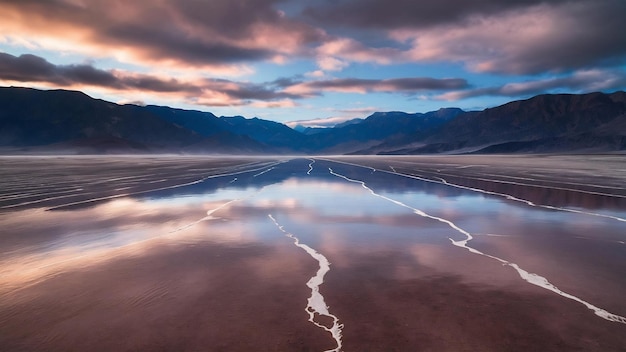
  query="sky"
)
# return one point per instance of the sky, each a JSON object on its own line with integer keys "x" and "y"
{"x": 314, "y": 63}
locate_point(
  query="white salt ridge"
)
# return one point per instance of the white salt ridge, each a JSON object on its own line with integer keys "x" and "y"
{"x": 550, "y": 187}
{"x": 310, "y": 166}
{"x": 121, "y": 195}
{"x": 507, "y": 196}
{"x": 316, "y": 303}
{"x": 264, "y": 171}
{"x": 467, "y": 166}
{"x": 525, "y": 275}
{"x": 510, "y": 197}
{"x": 209, "y": 216}
{"x": 494, "y": 235}
{"x": 209, "y": 213}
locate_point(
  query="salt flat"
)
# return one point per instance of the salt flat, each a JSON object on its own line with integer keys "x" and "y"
{"x": 433, "y": 253}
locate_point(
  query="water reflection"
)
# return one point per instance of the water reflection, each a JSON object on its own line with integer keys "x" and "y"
{"x": 209, "y": 222}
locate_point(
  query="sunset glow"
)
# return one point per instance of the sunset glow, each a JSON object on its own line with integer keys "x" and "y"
{"x": 314, "y": 61}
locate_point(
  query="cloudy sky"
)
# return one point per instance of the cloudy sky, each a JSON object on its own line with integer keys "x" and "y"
{"x": 319, "y": 61}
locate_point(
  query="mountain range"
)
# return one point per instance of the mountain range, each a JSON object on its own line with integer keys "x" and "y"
{"x": 62, "y": 121}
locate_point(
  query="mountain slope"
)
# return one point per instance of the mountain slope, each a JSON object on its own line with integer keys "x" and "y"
{"x": 70, "y": 120}
{"x": 560, "y": 122}
{"x": 56, "y": 120}
{"x": 271, "y": 133}
{"x": 381, "y": 127}
{"x": 30, "y": 117}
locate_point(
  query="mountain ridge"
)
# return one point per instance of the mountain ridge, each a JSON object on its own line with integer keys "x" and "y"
{"x": 34, "y": 120}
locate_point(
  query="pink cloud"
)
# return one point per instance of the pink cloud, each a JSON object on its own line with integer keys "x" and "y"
{"x": 531, "y": 40}
{"x": 180, "y": 34}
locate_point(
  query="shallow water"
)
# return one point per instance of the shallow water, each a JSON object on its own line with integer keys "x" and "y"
{"x": 310, "y": 254}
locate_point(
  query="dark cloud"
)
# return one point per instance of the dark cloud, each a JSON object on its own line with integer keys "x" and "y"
{"x": 580, "y": 82}
{"x": 285, "y": 82}
{"x": 389, "y": 85}
{"x": 396, "y": 14}
{"x": 185, "y": 31}
{"x": 31, "y": 68}
{"x": 255, "y": 91}
{"x": 593, "y": 34}
{"x": 505, "y": 37}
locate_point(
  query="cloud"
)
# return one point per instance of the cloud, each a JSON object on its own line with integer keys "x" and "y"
{"x": 397, "y": 14}
{"x": 331, "y": 64}
{"x": 285, "y": 103}
{"x": 505, "y": 37}
{"x": 581, "y": 81}
{"x": 28, "y": 67}
{"x": 178, "y": 33}
{"x": 539, "y": 39}
{"x": 352, "y": 50}
{"x": 357, "y": 85}
{"x": 319, "y": 123}
{"x": 343, "y": 116}
{"x": 212, "y": 92}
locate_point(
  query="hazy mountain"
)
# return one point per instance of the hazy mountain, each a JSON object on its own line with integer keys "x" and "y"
{"x": 381, "y": 127}
{"x": 271, "y": 133}
{"x": 423, "y": 126}
{"x": 34, "y": 121}
{"x": 351, "y": 136}
{"x": 349, "y": 122}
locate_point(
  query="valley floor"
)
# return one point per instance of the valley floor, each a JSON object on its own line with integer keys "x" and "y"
{"x": 385, "y": 253}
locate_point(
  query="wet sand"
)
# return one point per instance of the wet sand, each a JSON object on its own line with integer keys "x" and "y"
{"x": 199, "y": 266}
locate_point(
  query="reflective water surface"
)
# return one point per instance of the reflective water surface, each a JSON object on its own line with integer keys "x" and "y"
{"x": 315, "y": 255}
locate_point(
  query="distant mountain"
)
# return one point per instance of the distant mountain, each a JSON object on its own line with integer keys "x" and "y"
{"x": 381, "y": 127}
{"x": 271, "y": 133}
{"x": 315, "y": 130}
{"x": 416, "y": 130}
{"x": 545, "y": 123}
{"x": 349, "y": 122}
{"x": 67, "y": 121}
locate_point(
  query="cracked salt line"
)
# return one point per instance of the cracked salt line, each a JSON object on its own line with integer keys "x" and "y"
{"x": 316, "y": 303}
{"x": 507, "y": 196}
{"x": 209, "y": 216}
{"x": 493, "y": 235}
{"x": 467, "y": 166}
{"x": 531, "y": 278}
{"x": 310, "y": 166}
{"x": 209, "y": 213}
{"x": 548, "y": 187}
{"x": 510, "y": 197}
{"x": 264, "y": 171}
{"x": 142, "y": 192}
{"x": 123, "y": 194}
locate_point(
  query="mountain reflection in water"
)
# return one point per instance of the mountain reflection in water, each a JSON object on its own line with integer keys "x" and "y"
{"x": 207, "y": 258}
